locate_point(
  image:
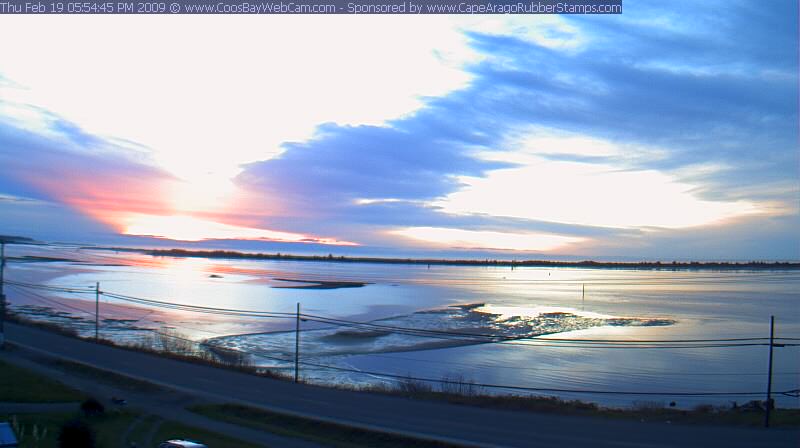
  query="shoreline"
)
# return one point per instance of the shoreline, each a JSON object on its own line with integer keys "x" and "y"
{"x": 466, "y": 393}
{"x": 586, "y": 264}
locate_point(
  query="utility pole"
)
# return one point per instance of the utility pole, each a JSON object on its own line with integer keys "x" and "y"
{"x": 769, "y": 374}
{"x": 297, "y": 346}
{"x": 2, "y": 293}
{"x": 583, "y": 296}
{"x": 97, "y": 311}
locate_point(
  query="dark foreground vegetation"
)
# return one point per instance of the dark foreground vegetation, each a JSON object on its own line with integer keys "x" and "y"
{"x": 90, "y": 423}
{"x": 106, "y": 429}
{"x": 329, "y": 434}
{"x": 465, "y": 392}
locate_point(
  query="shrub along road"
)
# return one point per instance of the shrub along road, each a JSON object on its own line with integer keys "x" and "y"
{"x": 439, "y": 421}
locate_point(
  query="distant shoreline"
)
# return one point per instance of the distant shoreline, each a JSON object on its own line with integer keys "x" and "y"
{"x": 656, "y": 265}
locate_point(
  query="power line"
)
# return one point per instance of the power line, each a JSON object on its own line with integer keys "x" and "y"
{"x": 603, "y": 372}
{"x": 484, "y": 385}
{"x": 78, "y": 289}
{"x": 470, "y": 338}
{"x": 510, "y": 387}
{"x": 198, "y": 308}
{"x": 51, "y": 301}
{"x": 262, "y": 354}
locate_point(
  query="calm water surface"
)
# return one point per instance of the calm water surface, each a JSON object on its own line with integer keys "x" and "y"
{"x": 617, "y": 304}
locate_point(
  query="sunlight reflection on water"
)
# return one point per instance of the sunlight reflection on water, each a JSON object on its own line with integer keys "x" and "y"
{"x": 702, "y": 304}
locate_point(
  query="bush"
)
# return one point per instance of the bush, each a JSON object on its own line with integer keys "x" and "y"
{"x": 704, "y": 409}
{"x": 174, "y": 342}
{"x": 92, "y": 407}
{"x": 76, "y": 434}
{"x": 648, "y": 406}
{"x": 454, "y": 384}
{"x": 410, "y": 386}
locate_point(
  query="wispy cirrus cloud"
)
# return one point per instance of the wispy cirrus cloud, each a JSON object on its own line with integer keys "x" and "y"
{"x": 686, "y": 134}
{"x": 584, "y": 135}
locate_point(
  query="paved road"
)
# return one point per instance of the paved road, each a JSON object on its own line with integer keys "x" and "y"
{"x": 166, "y": 404}
{"x": 441, "y": 421}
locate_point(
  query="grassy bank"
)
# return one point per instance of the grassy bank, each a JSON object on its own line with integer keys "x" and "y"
{"x": 178, "y": 348}
{"x": 112, "y": 428}
{"x": 464, "y": 393}
{"x": 295, "y": 427}
{"x": 41, "y": 430}
{"x": 18, "y": 385}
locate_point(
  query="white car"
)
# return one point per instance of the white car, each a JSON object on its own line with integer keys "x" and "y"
{"x": 181, "y": 444}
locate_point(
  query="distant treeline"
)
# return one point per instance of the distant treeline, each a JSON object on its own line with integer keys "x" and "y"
{"x": 11, "y": 239}
{"x": 484, "y": 262}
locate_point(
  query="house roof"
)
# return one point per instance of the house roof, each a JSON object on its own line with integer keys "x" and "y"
{"x": 7, "y": 436}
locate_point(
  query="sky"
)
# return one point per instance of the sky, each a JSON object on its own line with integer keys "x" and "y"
{"x": 667, "y": 132}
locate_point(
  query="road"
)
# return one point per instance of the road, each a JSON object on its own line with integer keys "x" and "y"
{"x": 164, "y": 403}
{"x": 464, "y": 425}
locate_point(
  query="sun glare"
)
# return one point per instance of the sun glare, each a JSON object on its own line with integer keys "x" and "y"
{"x": 590, "y": 194}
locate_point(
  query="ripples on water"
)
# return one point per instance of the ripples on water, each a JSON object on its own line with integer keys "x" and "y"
{"x": 517, "y": 304}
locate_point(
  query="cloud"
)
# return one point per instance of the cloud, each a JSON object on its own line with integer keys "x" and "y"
{"x": 590, "y": 194}
{"x": 472, "y": 239}
{"x": 344, "y": 164}
{"x": 654, "y": 123}
{"x": 49, "y": 161}
{"x": 235, "y": 95}
{"x": 187, "y": 228}
{"x": 751, "y": 238}
{"x": 664, "y": 123}
{"x": 59, "y": 182}
{"x": 45, "y": 157}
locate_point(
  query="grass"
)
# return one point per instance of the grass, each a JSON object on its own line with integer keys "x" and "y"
{"x": 41, "y": 430}
{"x": 140, "y": 432}
{"x": 24, "y": 386}
{"x": 296, "y": 427}
{"x": 111, "y": 425}
{"x": 44, "y": 425}
{"x": 462, "y": 392}
{"x": 747, "y": 415}
{"x": 712, "y": 415}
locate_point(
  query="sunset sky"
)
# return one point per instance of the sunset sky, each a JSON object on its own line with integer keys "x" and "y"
{"x": 668, "y": 132}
